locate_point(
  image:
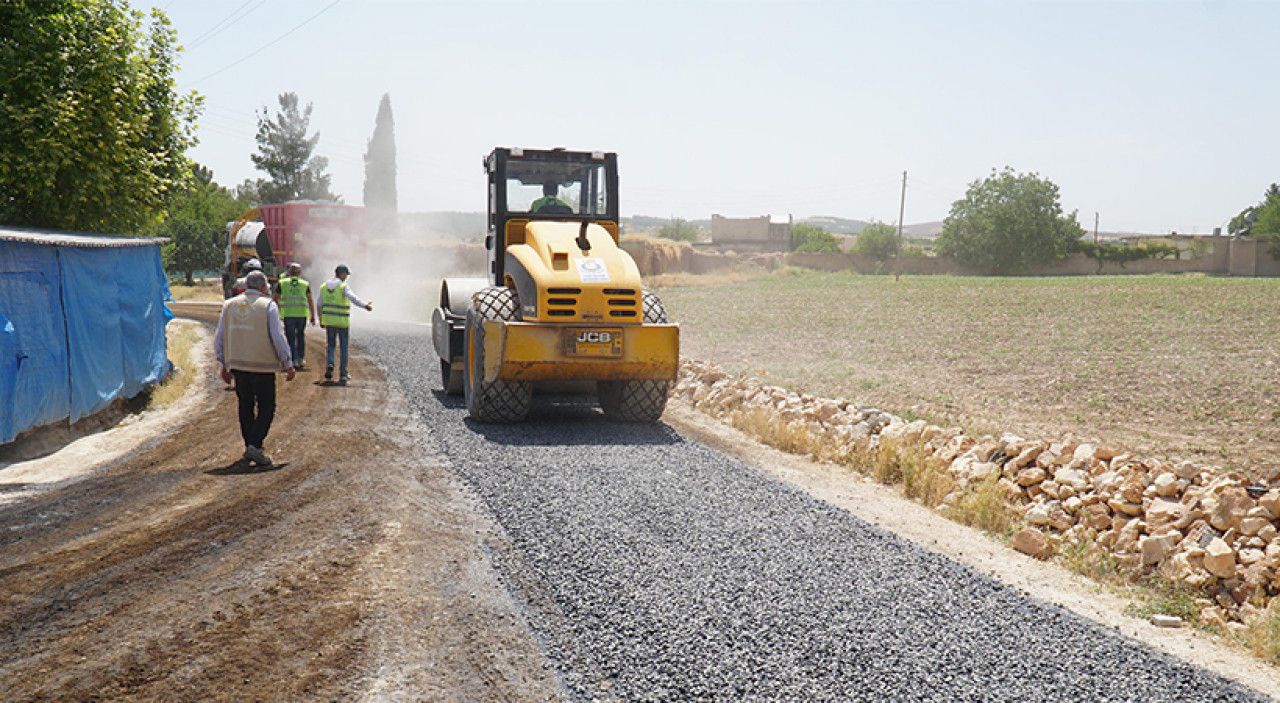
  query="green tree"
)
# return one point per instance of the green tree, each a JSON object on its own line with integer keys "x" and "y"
{"x": 1242, "y": 224}
{"x": 813, "y": 239}
{"x": 93, "y": 132}
{"x": 380, "y": 172}
{"x": 196, "y": 221}
{"x": 1009, "y": 223}
{"x": 287, "y": 154}
{"x": 680, "y": 230}
{"x": 1267, "y": 226}
{"x": 250, "y": 191}
{"x": 878, "y": 241}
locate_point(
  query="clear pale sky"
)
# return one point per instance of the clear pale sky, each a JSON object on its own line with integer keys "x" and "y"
{"x": 1161, "y": 116}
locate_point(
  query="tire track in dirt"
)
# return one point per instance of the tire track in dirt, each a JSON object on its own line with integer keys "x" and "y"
{"x": 355, "y": 570}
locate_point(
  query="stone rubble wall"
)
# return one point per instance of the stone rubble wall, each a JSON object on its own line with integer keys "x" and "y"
{"x": 1210, "y": 531}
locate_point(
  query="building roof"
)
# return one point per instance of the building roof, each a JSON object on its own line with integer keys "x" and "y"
{"x": 58, "y": 238}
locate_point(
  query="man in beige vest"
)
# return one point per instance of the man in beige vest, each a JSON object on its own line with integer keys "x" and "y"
{"x": 250, "y": 345}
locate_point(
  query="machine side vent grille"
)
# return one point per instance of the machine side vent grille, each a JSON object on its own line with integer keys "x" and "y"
{"x": 560, "y": 313}
{"x": 619, "y": 291}
{"x": 564, "y": 291}
{"x": 622, "y": 313}
{"x": 562, "y": 301}
{"x": 623, "y": 301}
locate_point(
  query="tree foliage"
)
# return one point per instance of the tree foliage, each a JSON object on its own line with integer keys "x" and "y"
{"x": 287, "y": 154}
{"x": 1121, "y": 253}
{"x": 1009, "y": 223}
{"x": 1243, "y": 223}
{"x": 813, "y": 239}
{"x": 1268, "y": 222}
{"x": 878, "y": 241}
{"x": 1267, "y": 225}
{"x": 196, "y": 221}
{"x": 380, "y": 171}
{"x": 680, "y": 230}
{"x": 93, "y": 132}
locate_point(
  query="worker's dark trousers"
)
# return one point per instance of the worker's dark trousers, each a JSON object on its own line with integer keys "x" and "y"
{"x": 295, "y": 332}
{"x": 255, "y": 389}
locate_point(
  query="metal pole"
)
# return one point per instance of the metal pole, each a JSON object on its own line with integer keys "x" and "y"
{"x": 1095, "y": 228}
{"x": 902, "y": 207}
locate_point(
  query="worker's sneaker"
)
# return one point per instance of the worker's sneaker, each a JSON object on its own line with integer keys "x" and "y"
{"x": 343, "y": 380}
{"x": 256, "y": 456}
{"x": 328, "y": 373}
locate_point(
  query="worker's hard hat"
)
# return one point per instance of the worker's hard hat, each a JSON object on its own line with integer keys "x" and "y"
{"x": 253, "y": 265}
{"x": 342, "y": 268}
{"x": 295, "y": 265}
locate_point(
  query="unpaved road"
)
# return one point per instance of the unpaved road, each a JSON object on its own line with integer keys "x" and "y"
{"x": 418, "y": 556}
{"x": 356, "y": 571}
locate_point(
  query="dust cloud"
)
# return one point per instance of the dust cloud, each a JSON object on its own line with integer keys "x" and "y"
{"x": 400, "y": 275}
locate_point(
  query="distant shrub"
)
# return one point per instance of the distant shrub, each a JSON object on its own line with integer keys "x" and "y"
{"x": 913, "y": 250}
{"x": 1161, "y": 250}
{"x": 878, "y": 241}
{"x": 813, "y": 239}
{"x": 1120, "y": 253}
{"x": 680, "y": 230}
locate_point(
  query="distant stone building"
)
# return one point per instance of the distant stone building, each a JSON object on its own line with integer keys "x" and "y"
{"x": 750, "y": 234}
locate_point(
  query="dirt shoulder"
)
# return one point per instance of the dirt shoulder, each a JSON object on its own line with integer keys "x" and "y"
{"x": 354, "y": 570}
{"x": 886, "y": 507}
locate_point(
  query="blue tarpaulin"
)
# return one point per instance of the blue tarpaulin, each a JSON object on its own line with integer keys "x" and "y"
{"x": 81, "y": 324}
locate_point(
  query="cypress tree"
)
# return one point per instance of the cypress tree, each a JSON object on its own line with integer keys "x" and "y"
{"x": 380, "y": 173}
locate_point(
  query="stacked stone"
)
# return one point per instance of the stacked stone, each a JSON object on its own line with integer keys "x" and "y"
{"x": 1208, "y": 529}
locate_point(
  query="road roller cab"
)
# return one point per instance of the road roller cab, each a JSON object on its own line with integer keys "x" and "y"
{"x": 562, "y": 301}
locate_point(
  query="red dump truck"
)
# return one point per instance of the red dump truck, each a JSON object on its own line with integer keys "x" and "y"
{"x": 318, "y": 233}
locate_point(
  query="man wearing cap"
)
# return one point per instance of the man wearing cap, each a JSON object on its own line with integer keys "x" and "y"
{"x": 336, "y": 298}
{"x": 293, "y": 295}
{"x": 250, "y": 346}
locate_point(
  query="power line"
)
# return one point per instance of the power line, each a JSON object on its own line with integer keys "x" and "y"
{"x": 269, "y": 44}
{"x": 221, "y": 21}
{"x": 208, "y": 37}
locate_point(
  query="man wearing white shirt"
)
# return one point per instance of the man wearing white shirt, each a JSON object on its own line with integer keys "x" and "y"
{"x": 250, "y": 346}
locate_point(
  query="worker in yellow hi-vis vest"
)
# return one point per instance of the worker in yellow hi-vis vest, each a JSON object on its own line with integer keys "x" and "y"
{"x": 293, "y": 295}
{"x": 336, "y": 298}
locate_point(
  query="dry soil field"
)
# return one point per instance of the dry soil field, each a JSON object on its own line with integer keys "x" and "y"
{"x": 1176, "y": 366}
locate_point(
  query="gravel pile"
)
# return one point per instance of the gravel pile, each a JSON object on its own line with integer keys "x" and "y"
{"x": 654, "y": 568}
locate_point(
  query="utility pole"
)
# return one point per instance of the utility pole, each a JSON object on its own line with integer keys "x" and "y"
{"x": 902, "y": 208}
{"x": 1095, "y": 227}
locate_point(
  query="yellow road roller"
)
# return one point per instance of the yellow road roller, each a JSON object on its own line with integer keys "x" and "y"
{"x": 563, "y": 305}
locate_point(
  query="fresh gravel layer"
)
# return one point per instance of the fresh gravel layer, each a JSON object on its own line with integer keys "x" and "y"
{"x": 655, "y": 568}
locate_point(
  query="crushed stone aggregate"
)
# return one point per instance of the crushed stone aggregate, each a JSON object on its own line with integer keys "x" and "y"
{"x": 652, "y": 567}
